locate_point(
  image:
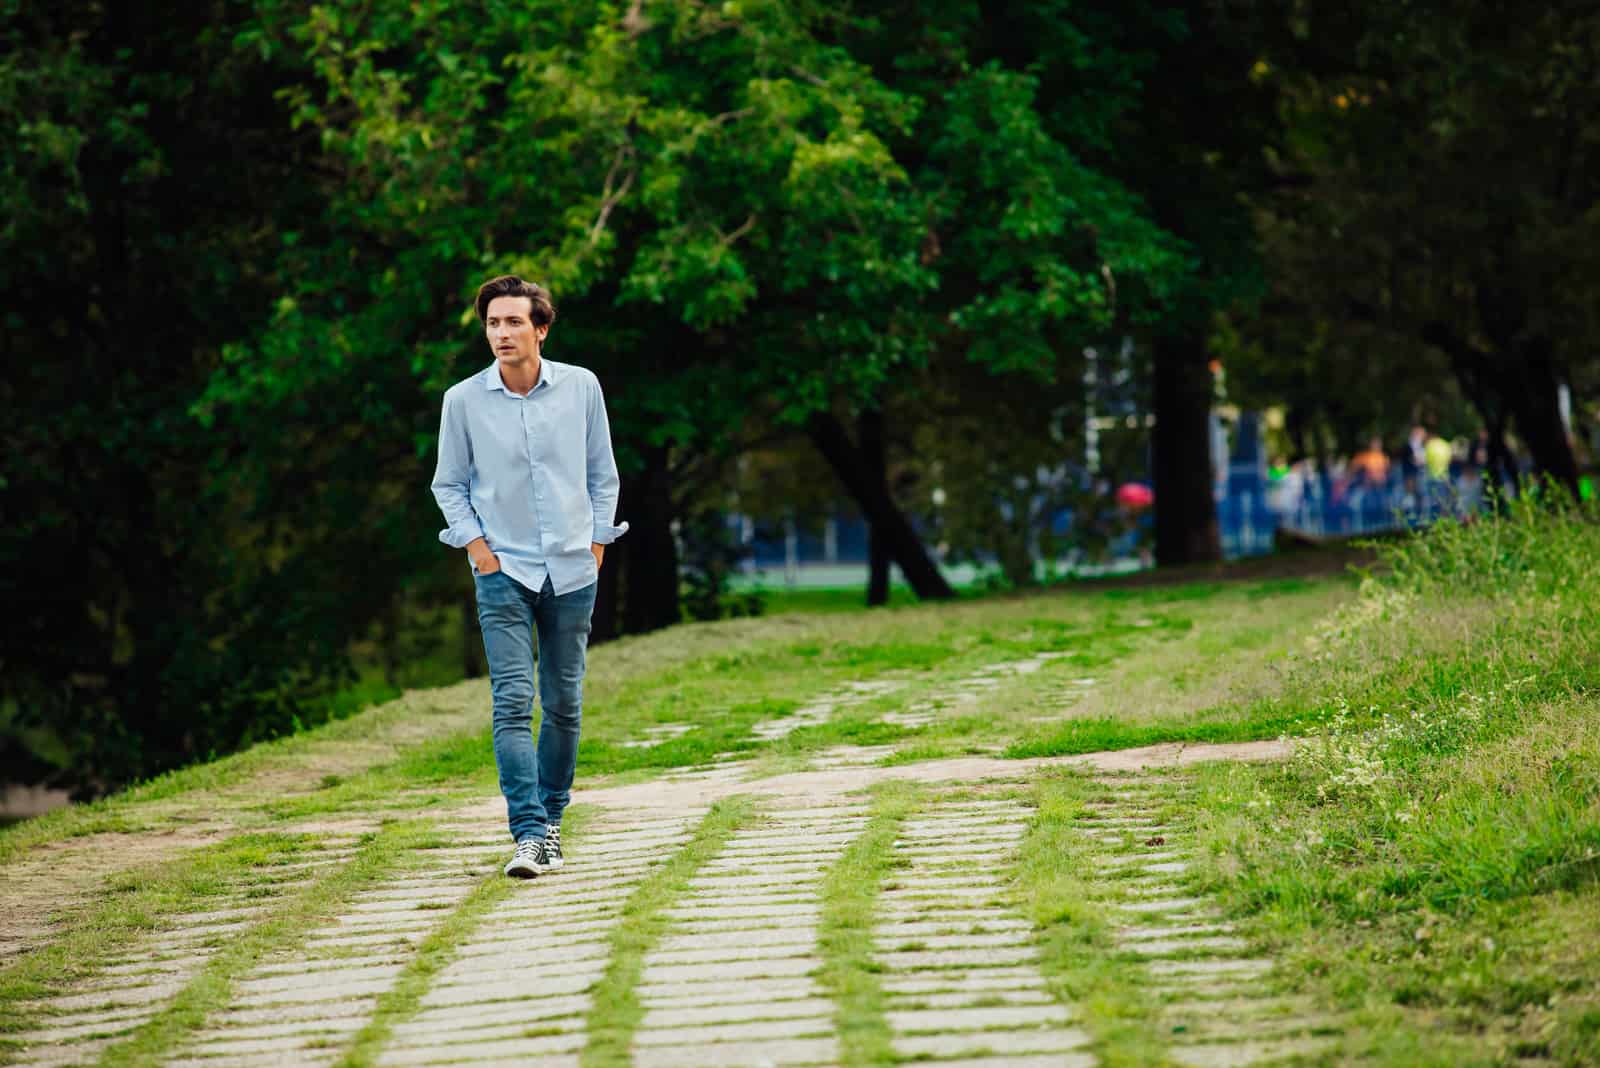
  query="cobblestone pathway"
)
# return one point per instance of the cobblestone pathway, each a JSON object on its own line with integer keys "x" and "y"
{"x": 1218, "y": 1004}
{"x": 960, "y": 969}
{"x": 126, "y": 992}
{"x": 730, "y": 974}
{"x": 732, "y": 982}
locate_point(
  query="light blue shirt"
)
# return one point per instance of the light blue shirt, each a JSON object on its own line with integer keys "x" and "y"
{"x": 532, "y": 475}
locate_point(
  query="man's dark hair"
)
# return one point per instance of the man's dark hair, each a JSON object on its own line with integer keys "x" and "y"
{"x": 542, "y": 313}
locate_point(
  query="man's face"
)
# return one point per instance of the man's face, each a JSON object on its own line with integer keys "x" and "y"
{"x": 510, "y": 330}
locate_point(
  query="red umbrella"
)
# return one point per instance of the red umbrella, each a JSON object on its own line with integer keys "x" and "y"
{"x": 1135, "y": 495}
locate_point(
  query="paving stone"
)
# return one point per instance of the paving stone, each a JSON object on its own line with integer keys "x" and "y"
{"x": 1243, "y": 1026}
{"x": 967, "y": 979}
{"x": 318, "y": 994}
{"x": 725, "y": 912}
{"x": 540, "y": 986}
{"x": 102, "y": 999}
{"x": 891, "y": 944}
{"x": 983, "y": 923}
{"x": 1049, "y": 1060}
{"x": 325, "y": 1010}
{"x": 796, "y": 896}
{"x": 1163, "y": 904}
{"x": 282, "y": 1045}
{"x": 976, "y": 1043}
{"x": 1171, "y": 867}
{"x": 754, "y": 937}
{"x": 1244, "y": 1053}
{"x": 691, "y": 995}
{"x": 712, "y": 955}
{"x": 308, "y": 1028}
{"x": 464, "y": 1017}
{"x": 321, "y": 979}
{"x": 985, "y": 957}
{"x": 1165, "y": 947}
{"x": 297, "y": 1059}
{"x": 503, "y": 1051}
{"x": 520, "y": 972}
{"x": 737, "y": 1013}
{"x": 699, "y": 973}
{"x": 737, "y": 1031}
{"x": 1141, "y": 934}
{"x": 977, "y": 1019}
{"x": 1209, "y": 968}
{"x": 964, "y": 999}
{"x": 739, "y": 1054}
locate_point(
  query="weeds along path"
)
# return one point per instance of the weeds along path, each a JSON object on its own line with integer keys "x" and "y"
{"x": 1215, "y": 1001}
{"x": 847, "y": 917}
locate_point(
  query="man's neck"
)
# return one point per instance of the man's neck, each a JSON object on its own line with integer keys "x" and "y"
{"x": 522, "y": 377}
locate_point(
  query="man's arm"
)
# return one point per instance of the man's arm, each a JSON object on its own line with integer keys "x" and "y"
{"x": 604, "y": 484}
{"x": 452, "y": 479}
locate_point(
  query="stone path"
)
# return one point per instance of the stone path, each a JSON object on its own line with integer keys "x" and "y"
{"x": 732, "y": 983}
{"x": 518, "y": 990}
{"x": 1218, "y": 1008}
{"x": 960, "y": 968}
{"x": 731, "y": 977}
{"x": 127, "y": 991}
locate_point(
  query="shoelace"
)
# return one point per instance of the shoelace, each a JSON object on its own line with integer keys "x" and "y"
{"x": 552, "y": 837}
{"x": 528, "y": 849}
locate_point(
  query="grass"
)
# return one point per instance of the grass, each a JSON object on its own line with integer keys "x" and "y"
{"x": 849, "y": 895}
{"x": 616, "y": 1011}
{"x": 1056, "y": 886}
{"x": 1431, "y": 861}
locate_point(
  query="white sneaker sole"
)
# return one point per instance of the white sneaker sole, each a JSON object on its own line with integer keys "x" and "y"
{"x": 522, "y": 869}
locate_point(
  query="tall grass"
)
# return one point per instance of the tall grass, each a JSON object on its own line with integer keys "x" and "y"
{"x": 1452, "y": 783}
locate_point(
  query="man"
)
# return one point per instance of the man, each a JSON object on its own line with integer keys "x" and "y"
{"x": 528, "y": 486}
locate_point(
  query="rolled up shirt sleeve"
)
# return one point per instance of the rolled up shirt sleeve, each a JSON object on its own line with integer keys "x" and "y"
{"x": 604, "y": 483}
{"x": 452, "y": 477}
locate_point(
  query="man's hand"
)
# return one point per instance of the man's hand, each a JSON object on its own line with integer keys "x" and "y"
{"x": 485, "y": 561}
{"x": 599, "y": 553}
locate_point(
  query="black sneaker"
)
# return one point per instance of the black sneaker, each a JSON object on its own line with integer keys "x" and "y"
{"x": 552, "y": 846}
{"x": 529, "y": 860}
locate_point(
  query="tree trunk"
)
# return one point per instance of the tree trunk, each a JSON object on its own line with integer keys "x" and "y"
{"x": 649, "y": 556}
{"x": 1531, "y": 387}
{"x": 888, "y": 522}
{"x": 1186, "y": 512}
{"x": 869, "y": 431}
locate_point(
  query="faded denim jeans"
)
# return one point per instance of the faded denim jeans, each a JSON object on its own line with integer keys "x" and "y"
{"x": 536, "y": 781}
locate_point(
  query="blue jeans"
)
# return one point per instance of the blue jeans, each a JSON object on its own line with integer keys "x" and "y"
{"x": 536, "y": 782}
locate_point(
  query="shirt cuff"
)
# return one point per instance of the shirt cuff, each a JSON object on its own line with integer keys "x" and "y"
{"x": 460, "y": 537}
{"x": 605, "y": 533}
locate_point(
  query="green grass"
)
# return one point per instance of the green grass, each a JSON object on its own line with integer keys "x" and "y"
{"x": 849, "y": 895}
{"x": 1431, "y": 861}
{"x": 1056, "y": 886}
{"x": 616, "y": 1011}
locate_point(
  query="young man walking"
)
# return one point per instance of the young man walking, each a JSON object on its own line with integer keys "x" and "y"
{"x": 528, "y": 486}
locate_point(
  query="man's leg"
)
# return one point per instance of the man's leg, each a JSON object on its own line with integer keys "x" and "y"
{"x": 563, "y": 623}
{"x": 506, "y": 619}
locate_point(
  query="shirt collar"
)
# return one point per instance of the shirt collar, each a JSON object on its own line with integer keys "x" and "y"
{"x": 492, "y": 380}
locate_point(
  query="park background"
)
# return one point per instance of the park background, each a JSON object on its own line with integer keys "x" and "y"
{"x": 954, "y": 273}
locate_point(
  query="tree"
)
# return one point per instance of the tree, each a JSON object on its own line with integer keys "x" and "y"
{"x": 1444, "y": 160}
{"x": 733, "y": 204}
{"x": 148, "y": 627}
